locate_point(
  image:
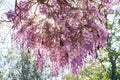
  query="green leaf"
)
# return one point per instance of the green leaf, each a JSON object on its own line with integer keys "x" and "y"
{"x": 109, "y": 26}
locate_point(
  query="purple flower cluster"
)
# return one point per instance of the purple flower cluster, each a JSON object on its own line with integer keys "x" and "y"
{"x": 10, "y": 15}
{"x": 71, "y": 31}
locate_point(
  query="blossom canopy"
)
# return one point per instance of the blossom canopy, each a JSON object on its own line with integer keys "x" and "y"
{"x": 70, "y": 30}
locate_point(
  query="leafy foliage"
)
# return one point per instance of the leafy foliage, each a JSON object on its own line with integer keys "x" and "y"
{"x": 111, "y": 54}
{"x": 90, "y": 71}
{"x": 24, "y": 68}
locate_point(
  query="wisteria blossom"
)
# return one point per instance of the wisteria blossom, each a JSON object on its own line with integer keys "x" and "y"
{"x": 70, "y": 30}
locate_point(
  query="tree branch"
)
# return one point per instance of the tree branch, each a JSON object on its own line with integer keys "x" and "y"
{"x": 117, "y": 56}
{"x": 4, "y": 21}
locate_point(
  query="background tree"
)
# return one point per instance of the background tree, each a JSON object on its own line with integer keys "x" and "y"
{"x": 113, "y": 47}
{"x": 21, "y": 66}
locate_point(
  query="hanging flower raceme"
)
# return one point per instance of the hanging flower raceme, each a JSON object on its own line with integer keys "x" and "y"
{"x": 68, "y": 31}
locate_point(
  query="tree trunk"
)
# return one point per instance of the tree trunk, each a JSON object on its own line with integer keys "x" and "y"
{"x": 113, "y": 68}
